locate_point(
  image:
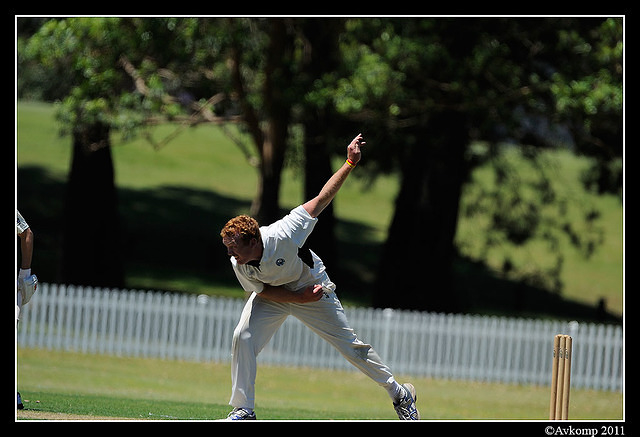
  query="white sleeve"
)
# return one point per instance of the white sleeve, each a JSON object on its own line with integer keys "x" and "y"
{"x": 298, "y": 225}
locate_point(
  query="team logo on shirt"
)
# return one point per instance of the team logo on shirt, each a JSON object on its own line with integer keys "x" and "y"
{"x": 280, "y": 262}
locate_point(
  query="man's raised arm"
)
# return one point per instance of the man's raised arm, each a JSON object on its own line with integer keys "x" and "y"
{"x": 316, "y": 205}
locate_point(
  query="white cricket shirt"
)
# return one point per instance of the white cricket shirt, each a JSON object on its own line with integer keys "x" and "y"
{"x": 280, "y": 263}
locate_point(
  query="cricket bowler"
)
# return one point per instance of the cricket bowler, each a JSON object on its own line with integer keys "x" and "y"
{"x": 285, "y": 278}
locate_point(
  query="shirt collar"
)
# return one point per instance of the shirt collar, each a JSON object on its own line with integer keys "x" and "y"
{"x": 254, "y": 263}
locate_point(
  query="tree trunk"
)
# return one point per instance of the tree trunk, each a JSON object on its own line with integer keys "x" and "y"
{"x": 91, "y": 231}
{"x": 317, "y": 171}
{"x": 265, "y": 207}
{"x": 278, "y": 78}
{"x": 322, "y": 56}
{"x": 416, "y": 264}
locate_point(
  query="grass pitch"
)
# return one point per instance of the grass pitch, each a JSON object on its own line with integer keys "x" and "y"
{"x": 58, "y": 385}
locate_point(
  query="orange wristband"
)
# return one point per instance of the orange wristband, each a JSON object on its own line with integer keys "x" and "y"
{"x": 351, "y": 163}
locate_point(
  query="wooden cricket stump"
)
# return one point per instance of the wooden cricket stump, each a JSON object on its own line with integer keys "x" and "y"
{"x": 560, "y": 378}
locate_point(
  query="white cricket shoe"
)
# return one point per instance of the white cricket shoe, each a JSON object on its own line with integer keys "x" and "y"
{"x": 406, "y": 406}
{"x": 241, "y": 414}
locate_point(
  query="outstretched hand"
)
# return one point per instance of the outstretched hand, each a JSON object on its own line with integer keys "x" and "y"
{"x": 353, "y": 149}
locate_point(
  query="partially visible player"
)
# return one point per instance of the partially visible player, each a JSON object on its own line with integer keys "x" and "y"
{"x": 27, "y": 282}
{"x": 285, "y": 278}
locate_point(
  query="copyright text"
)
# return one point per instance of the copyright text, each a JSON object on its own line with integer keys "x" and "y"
{"x": 573, "y": 430}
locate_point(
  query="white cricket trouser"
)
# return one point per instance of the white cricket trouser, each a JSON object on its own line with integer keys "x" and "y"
{"x": 261, "y": 318}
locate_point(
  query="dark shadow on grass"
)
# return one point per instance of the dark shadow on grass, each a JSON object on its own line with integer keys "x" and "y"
{"x": 486, "y": 293}
{"x": 174, "y": 231}
{"x": 177, "y": 229}
{"x": 166, "y": 231}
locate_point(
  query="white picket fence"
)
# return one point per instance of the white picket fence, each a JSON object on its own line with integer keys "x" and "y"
{"x": 200, "y": 328}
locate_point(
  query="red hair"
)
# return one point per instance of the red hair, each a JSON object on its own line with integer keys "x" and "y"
{"x": 244, "y": 226}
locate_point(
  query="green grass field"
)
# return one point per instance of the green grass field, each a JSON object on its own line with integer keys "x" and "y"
{"x": 67, "y": 383}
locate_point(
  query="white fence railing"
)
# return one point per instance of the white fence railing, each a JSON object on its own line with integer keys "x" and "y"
{"x": 187, "y": 327}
